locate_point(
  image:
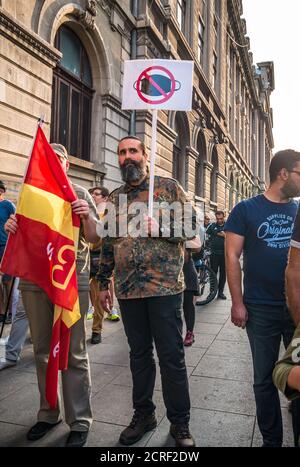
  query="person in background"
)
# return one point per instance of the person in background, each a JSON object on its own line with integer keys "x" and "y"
{"x": 6, "y": 209}
{"x": 76, "y": 380}
{"x": 191, "y": 289}
{"x": 17, "y": 336}
{"x": 100, "y": 195}
{"x": 207, "y": 221}
{"x": 215, "y": 232}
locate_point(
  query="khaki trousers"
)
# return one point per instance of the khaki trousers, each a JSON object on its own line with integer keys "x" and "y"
{"x": 76, "y": 380}
{"x": 98, "y": 310}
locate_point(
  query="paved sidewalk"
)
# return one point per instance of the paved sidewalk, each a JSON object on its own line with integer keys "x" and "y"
{"x": 220, "y": 376}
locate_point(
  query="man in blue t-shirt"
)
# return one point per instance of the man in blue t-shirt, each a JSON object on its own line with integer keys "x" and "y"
{"x": 261, "y": 228}
{"x": 6, "y": 209}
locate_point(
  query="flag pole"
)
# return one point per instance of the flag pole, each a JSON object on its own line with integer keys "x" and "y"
{"x": 152, "y": 161}
{"x": 40, "y": 122}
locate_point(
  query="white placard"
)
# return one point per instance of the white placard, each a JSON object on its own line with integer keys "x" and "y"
{"x": 158, "y": 84}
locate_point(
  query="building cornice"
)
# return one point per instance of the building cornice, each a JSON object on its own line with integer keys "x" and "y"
{"x": 192, "y": 152}
{"x": 163, "y": 129}
{"x": 239, "y": 29}
{"x": 28, "y": 40}
{"x": 149, "y": 36}
{"x": 111, "y": 7}
{"x": 208, "y": 165}
{"x": 166, "y": 131}
{"x": 222, "y": 177}
{"x": 114, "y": 103}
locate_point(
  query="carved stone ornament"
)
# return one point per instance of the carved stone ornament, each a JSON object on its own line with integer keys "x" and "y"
{"x": 105, "y": 5}
{"x": 201, "y": 121}
{"x": 91, "y": 7}
{"x": 87, "y": 16}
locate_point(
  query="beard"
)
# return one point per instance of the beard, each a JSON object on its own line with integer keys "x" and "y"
{"x": 132, "y": 170}
{"x": 290, "y": 189}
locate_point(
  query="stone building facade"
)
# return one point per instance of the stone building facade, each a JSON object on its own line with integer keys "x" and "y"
{"x": 64, "y": 60}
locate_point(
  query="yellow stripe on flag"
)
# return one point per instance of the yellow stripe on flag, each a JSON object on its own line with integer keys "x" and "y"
{"x": 42, "y": 206}
{"x": 71, "y": 317}
{"x": 67, "y": 316}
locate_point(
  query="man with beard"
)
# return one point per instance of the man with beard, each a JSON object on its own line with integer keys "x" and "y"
{"x": 149, "y": 284}
{"x": 261, "y": 228}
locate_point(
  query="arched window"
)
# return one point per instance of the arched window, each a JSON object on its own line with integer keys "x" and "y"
{"x": 199, "y": 172}
{"x": 213, "y": 177}
{"x": 72, "y": 96}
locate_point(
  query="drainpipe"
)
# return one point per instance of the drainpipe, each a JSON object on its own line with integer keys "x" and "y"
{"x": 133, "y": 55}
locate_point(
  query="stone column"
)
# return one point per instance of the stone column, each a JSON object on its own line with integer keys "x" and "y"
{"x": 221, "y": 191}
{"x": 261, "y": 153}
{"x": 207, "y": 169}
{"x": 190, "y": 169}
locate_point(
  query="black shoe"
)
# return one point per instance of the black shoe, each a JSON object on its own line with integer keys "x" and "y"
{"x": 222, "y": 296}
{"x": 182, "y": 436}
{"x": 96, "y": 338}
{"x": 139, "y": 425}
{"x": 39, "y": 430}
{"x": 77, "y": 439}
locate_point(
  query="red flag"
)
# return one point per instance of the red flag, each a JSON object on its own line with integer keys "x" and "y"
{"x": 43, "y": 250}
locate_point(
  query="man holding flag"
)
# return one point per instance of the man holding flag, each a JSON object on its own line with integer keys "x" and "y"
{"x": 52, "y": 218}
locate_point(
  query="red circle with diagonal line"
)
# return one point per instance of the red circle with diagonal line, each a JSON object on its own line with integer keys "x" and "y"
{"x": 167, "y": 95}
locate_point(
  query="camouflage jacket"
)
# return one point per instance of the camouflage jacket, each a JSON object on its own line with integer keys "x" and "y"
{"x": 146, "y": 266}
{"x": 285, "y": 365}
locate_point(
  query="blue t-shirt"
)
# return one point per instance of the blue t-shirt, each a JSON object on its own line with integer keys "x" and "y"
{"x": 6, "y": 209}
{"x": 295, "y": 242}
{"x": 267, "y": 228}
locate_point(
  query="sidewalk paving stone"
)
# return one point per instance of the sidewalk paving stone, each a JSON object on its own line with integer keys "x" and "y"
{"x": 114, "y": 405}
{"x": 222, "y": 394}
{"x": 230, "y": 349}
{"x": 220, "y": 372}
{"x": 213, "y": 366}
{"x": 210, "y": 429}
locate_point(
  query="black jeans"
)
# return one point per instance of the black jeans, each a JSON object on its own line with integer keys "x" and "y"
{"x": 265, "y": 327}
{"x": 158, "y": 319}
{"x": 218, "y": 264}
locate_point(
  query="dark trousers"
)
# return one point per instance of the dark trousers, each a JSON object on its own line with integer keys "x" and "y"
{"x": 265, "y": 327}
{"x": 189, "y": 309}
{"x": 218, "y": 265}
{"x": 158, "y": 319}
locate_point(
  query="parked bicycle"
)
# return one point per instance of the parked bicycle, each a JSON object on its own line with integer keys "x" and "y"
{"x": 208, "y": 281}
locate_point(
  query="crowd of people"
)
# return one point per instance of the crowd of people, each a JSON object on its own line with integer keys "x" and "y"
{"x": 154, "y": 279}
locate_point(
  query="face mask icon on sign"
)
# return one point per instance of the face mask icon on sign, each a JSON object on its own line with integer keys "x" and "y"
{"x": 161, "y": 87}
